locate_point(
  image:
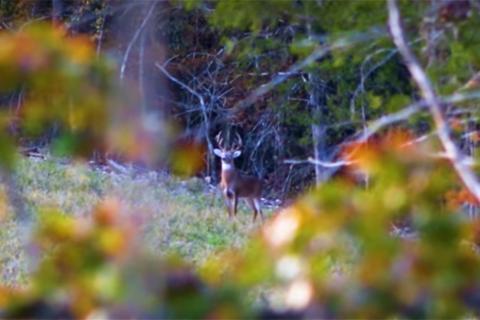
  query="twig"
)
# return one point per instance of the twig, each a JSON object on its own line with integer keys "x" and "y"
{"x": 429, "y": 95}
{"x": 364, "y": 75}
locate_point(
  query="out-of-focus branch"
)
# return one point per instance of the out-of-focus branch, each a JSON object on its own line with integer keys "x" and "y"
{"x": 466, "y": 161}
{"x": 443, "y": 130}
{"x": 134, "y": 39}
{"x": 324, "y": 164}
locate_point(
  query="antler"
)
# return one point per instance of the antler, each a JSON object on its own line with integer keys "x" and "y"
{"x": 219, "y": 140}
{"x": 238, "y": 144}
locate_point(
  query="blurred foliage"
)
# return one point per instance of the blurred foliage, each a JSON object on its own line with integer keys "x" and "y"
{"x": 91, "y": 267}
{"x": 62, "y": 84}
{"x": 187, "y": 157}
{"x": 335, "y": 253}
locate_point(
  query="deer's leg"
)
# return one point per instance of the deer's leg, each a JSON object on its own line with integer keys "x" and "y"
{"x": 228, "y": 204}
{"x": 258, "y": 208}
{"x": 251, "y": 204}
{"x": 235, "y": 203}
{"x": 229, "y": 197}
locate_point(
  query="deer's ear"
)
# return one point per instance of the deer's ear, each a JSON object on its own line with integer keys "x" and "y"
{"x": 237, "y": 154}
{"x": 218, "y": 152}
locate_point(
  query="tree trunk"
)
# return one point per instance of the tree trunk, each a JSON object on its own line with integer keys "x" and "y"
{"x": 318, "y": 109}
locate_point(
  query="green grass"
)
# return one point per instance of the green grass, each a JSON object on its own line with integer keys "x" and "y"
{"x": 172, "y": 216}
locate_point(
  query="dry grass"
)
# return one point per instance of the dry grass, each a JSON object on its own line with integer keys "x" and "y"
{"x": 172, "y": 216}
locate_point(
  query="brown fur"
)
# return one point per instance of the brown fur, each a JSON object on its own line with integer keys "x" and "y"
{"x": 244, "y": 186}
{"x": 234, "y": 185}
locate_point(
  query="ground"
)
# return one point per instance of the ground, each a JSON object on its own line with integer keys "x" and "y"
{"x": 172, "y": 216}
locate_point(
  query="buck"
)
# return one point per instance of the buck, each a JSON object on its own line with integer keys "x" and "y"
{"x": 234, "y": 184}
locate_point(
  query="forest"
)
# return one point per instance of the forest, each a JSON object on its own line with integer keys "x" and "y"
{"x": 252, "y": 159}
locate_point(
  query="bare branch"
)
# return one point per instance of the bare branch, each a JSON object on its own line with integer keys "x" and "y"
{"x": 365, "y": 74}
{"x": 202, "y": 106}
{"x": 180, "y": 83}
{"x": 100, "y": 36}
{"x": 324, "y": 164}
{"x": 429, "y": 95}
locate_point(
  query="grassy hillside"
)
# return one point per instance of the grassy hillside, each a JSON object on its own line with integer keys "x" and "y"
{"x": 171, "y": 216}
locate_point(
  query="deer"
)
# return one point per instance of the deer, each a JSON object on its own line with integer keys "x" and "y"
{"x": 234, "y": 184}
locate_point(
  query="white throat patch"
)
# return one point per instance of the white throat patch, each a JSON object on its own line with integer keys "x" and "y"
{"x": 226, "y": 166}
